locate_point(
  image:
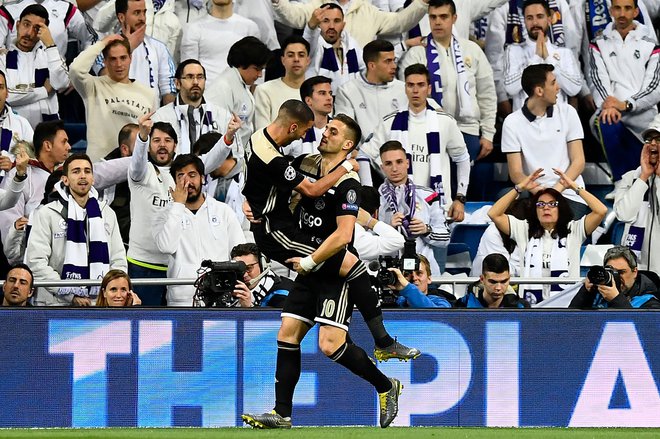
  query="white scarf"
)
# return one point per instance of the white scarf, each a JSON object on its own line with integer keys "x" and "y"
{"x": 534, "y": 266}
{"x": 465, "y": 106}
{"x": 86, "y": 253}
{"x": 399, "y": 131}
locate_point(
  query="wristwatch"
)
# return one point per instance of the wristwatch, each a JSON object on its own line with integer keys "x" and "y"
{"x": 460, "y": 198}
{"x": 629, "y": 106}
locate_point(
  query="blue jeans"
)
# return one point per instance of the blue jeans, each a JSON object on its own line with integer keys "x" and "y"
{"x": 481, "y": 174}
{"x": 151, "y": 295}
{"x": 622, "y": 148}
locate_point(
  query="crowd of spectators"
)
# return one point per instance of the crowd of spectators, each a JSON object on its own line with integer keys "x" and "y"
{"x": 165, "y": 98}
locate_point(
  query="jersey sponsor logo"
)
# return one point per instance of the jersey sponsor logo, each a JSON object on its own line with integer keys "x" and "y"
{"x": 310, "y": 220}
{"x": 157, "y": 201}
{"x": 59, "y": 235}
{"x": 319, "y": 204}
{"x": 290, "y": 173}
{"x": 351, "y": 206}
{"x": 351, "y": 196}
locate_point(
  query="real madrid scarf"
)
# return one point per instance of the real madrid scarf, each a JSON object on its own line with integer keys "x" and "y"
{"x": 597, "y": 14}
{"x": 533, "y": 266}
{"x": 86, "y": 254}
{"x": 21, "y": 82}
{"x": 635, "y": 232}
{"x": 515, "y": 23}
{"x": 330, "y": 64}
{"x": 399, "y": 131}
{"x": 465, "y": 107}
{"x": 189, "y": 133}
{"x": 6, "y": 133}
{"x": 400, "y": 199}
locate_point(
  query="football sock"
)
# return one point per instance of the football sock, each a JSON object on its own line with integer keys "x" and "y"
{"x": 353, "y": 358}
{"x": 365, "y": 298}
{"x": 287, "y": 374}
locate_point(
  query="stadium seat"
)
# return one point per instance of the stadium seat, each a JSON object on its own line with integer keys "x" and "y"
{"x": 468, "y": 234}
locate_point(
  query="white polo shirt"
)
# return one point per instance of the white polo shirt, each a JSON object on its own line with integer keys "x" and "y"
{"x": 543, "y": 142}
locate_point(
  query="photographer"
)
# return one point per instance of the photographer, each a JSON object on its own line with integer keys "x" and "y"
{"x": 492, "y": 290}
{"x": 260, "y": 286}
{"x": 626, "y": 287}
{"x": 414, "y": 291}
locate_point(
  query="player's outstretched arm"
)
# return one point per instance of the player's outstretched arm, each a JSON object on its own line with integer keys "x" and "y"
{"x": 321, "y": 186}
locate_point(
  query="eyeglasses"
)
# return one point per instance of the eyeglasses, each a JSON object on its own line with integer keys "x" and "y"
{"x": 199, "y": 77}
{"x": 654, "y": 139}
{"x": 251, "y": 266}
{"x": 542, "y": 204}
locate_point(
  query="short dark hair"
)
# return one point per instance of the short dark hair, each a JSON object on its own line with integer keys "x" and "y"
{"x": 369, "y": 199}
{"x": 534, "y": 76}
{"x": 248, "y": 51}
{"x": 183, "y": 160}
{"x": 621, "y": 251}
{"x": 354, "y": 130}
{"x": 295, "y": 39}
{"x": 122, "y": 42}
{"x": 3, "y": 76}
{"x": 76, "y": 156}
{"x": 543, "y": 3}
{"x": 183, "y": 64}
{"x": 495, "y": 263}
{"x": 296, "y": 110}
{"x": 307, "y": 87}
{"x": 121, "y": 6}
{"x": 439, "y": 3}
{"x": 54, "y": 178}
{"x": 45, "y": 131}
{"x": 22, "y": 266}
{"x": 36, "y": 9}
{"x": 125, "y": 133}
{"x": 417, "y": 69}
{"x": 165, "y": 127}
{"x": 372, "y": 50}
{"x": 205, "y": 142}
{"x": 329, "y": 6}
{"x": 391, "y": 145}
{"x": 246, "y": 249}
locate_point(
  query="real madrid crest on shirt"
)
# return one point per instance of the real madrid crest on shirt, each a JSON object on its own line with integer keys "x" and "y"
{"x": 319, "y": 204}
{"x": 290, "y": 173}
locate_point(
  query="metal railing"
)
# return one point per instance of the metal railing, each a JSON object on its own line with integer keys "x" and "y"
{"x": 190, "y": 281}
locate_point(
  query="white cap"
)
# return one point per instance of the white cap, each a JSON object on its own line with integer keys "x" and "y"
{"x": 654, "y": 127}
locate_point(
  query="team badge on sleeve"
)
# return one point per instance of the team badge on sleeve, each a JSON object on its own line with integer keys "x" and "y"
{"x": 351, "y": 196}
{"x": 290, "y": 173}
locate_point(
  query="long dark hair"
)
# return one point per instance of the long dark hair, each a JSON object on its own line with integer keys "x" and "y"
{"x": 565, "y": 215}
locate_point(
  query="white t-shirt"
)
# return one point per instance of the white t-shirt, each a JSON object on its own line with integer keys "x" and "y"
{"x": 543, "y": 142}
{"x": 209, "y": 39}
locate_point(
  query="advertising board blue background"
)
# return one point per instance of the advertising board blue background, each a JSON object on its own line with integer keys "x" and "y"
{"x": 96, "y": 368}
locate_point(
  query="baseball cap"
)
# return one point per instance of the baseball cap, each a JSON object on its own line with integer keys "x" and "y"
{"x": 654, "y": 128}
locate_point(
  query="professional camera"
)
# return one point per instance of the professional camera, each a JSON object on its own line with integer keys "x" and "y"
{"x": 408, "y": 262}
{"x": 216, "y": 283}
{"x": 599, "y": 275}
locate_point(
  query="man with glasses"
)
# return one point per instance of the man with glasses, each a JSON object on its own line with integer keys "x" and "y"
{"x": 190, "y": 115}
{"x": 636, "y": 202}
{"x": 629, "y": 287}
{"x": 260, "y": 285}
{"x": 546, "y": 134}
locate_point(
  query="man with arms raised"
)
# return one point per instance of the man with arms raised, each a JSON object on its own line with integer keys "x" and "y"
{"x": 113, "y": 100}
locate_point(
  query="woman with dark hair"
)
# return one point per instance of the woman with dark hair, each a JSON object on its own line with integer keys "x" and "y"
{"x": 548, "y": 239}
{"x": 117, "y": 290}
